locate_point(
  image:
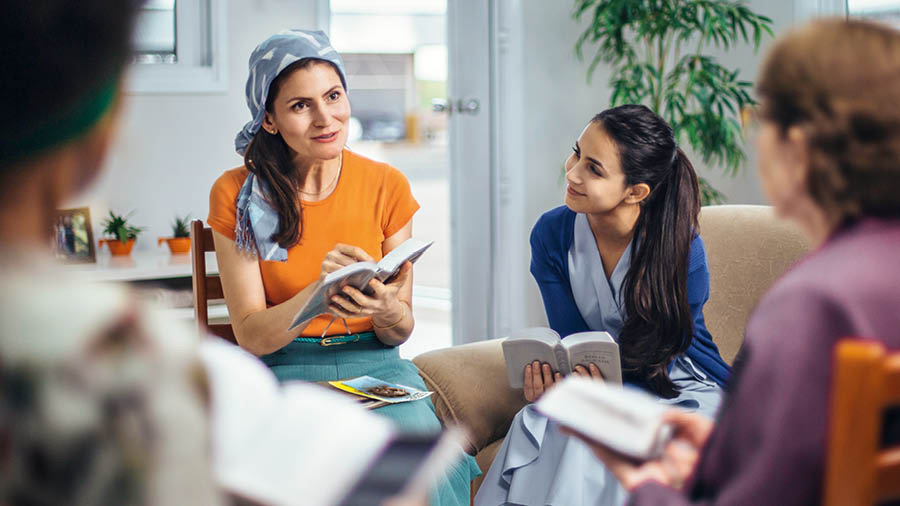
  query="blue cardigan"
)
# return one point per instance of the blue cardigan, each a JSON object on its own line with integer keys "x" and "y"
{"x": 551, "y": 239}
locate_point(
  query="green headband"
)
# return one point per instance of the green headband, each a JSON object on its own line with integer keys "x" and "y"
{"x": 67, "y": 126}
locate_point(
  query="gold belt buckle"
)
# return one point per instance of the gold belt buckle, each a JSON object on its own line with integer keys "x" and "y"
{"x": 329, "y": 341}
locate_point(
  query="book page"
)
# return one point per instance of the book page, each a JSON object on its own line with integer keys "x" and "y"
{"x": 626, "y": 420}
{"x": 525, "y": 346}
{"x": 295, "y": 445}
{"x": 410, "y": 250}
{"x": 599, "y": 348}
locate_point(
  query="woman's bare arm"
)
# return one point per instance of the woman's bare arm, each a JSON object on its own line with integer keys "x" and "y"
{"x": 258, "y": 329}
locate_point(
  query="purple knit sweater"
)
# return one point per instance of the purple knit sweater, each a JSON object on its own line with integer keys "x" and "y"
{"x": 768, "y": 446}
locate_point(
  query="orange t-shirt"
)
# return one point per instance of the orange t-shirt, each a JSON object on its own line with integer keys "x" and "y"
{"x": 372, "y": 201}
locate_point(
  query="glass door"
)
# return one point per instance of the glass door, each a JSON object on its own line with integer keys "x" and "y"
{"x": 395, "y": 52}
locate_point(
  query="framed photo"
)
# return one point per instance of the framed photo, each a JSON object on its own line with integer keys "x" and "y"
{"x": 74, "y": 240}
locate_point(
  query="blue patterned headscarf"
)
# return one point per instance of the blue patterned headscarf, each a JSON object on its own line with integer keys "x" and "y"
{"x": 257, "y": 220}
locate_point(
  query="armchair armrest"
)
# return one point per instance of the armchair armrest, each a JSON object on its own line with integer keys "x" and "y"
{"x": 471, "y": 389}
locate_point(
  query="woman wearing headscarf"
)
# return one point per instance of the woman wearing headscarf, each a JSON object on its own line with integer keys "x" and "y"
{"x": 829, "y": 143}
{"x": 303, "y": 206}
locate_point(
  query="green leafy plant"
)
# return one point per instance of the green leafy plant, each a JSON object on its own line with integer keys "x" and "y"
{"x": 117, "y": 226}
{"x": 656, "y": 51}
{"x": 181, "y": 226}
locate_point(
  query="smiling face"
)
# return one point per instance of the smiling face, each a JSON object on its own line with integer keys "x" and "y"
{"x": 596, "y": 182}
{"x": 310, "y": 112}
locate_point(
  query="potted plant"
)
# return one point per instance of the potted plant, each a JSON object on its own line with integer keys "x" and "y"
{"x": 121, "y": 232}
{"x": 659, "y": 54}
{"x": 180, "y": 242}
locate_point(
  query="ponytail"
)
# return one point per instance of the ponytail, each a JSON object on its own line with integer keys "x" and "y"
{"x": 658, "y": 323}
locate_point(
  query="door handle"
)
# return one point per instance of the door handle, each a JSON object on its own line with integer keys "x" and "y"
{"x": 442, "y": 105}
{"x": 468, "y": 106}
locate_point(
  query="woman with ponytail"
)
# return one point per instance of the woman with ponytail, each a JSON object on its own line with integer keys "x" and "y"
{"x": 623, "y": 256}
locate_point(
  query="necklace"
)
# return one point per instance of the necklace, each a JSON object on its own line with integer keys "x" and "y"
{"x": 333, "y": 181}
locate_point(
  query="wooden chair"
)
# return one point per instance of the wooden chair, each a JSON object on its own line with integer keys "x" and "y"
{"x": 206, "y": 287}
{"x": 859, "y": 470}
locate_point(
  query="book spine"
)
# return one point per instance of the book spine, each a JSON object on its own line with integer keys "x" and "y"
{"x": 562, "y": 358}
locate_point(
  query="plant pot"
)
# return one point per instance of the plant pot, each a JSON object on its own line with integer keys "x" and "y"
{"x": 117, "y": 247}
{"x": 177, "y": 245}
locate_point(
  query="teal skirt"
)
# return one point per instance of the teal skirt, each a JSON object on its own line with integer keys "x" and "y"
{"x": 313, "y": 362}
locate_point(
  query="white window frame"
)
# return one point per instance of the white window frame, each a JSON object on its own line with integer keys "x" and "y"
{"x": 200, "y": 35}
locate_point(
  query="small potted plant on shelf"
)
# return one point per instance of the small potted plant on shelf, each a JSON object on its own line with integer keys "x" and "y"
{"x": 180, "y": 242}
{"x": 121, "y": 232}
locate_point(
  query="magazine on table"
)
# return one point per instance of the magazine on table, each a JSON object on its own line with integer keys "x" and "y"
{"x": 380, "y": 390}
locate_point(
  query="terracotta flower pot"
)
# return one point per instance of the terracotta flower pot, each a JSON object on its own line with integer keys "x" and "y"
{"x": 177, "y": 245}
{"x": 117, "y": 247}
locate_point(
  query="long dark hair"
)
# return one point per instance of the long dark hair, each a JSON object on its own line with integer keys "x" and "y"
{"x": 658, "y": 323}
{"x": 270, "y": 158}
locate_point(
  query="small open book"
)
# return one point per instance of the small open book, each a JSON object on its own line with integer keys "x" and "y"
{"x": 525, "y": 346}
{"x": 625, "y": 420}
{"x": 358, "y": 275}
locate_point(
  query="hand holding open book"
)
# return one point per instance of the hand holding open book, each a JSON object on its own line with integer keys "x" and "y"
{"x": 358, "y": 275}
{"x": 625, "y": 420}
{"x": 544, "y": 345}
{"x": 637, "y": 438}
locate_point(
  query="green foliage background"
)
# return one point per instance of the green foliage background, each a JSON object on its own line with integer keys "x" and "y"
{"x": 656, "y": 51}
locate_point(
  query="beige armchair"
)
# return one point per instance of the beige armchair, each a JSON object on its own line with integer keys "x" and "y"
{"x": 747, "y": 249}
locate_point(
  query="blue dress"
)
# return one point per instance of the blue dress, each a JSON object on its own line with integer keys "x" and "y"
{"x": 536, "y": 464}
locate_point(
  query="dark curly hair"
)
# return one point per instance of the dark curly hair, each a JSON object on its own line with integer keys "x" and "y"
{"x": 837, "y": 79}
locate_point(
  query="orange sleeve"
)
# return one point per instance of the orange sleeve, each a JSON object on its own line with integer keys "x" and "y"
{"x": 400, "y": 205}
{"x": 223, "y": 203}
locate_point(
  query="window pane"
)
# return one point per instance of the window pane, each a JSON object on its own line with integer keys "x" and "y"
{"x": 155, "y": 33}
{"x": 886, "y": 11}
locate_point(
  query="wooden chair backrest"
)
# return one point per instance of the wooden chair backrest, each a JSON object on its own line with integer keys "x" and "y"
{"x": 866, "y": 384}
{"x": 206, "y": 286}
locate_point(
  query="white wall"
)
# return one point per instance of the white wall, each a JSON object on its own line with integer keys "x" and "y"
{"x": 170, "y": 148}
{"x": 558, "y": 102}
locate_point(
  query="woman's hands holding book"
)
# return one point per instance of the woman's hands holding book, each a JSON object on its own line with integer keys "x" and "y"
{"x": 675, "y": 464}
{"x": 343, "y": 255}
{"x": 382, "y": 304}
{"x": 540, "y": 377}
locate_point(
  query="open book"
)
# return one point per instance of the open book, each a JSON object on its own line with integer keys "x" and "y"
{"x": 411, "y": 465}
{"x": 625, "y": 420}
{"x": 525, "y": 346}
{"x": 358, "y": 275}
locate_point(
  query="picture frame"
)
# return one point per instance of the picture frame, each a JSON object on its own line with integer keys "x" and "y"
{"x": 73, "y": 239}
